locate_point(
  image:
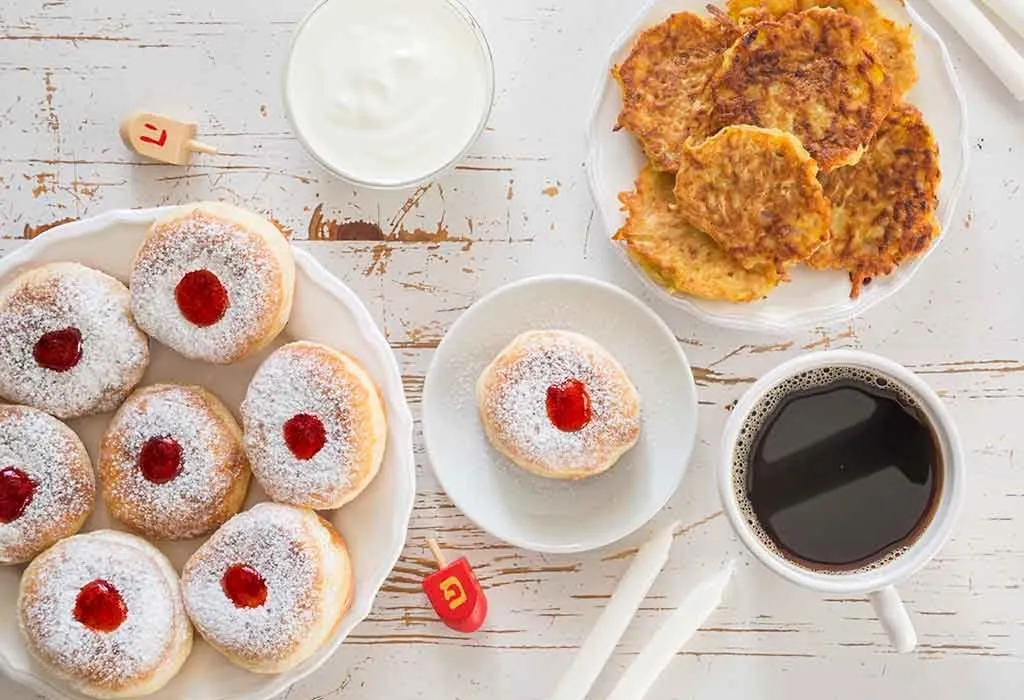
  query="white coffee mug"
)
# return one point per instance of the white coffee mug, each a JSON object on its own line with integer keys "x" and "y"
{"x": 877, "y": 583}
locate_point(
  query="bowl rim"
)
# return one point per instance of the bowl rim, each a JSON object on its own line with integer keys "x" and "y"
{"x": 488, "y": 55}
{"x": 400, "y": 426}
{"x": 796, "y": 321}
{"x": 639, "y": 520}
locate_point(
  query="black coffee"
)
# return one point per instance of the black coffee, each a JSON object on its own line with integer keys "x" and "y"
{"x": 840, "y": 469}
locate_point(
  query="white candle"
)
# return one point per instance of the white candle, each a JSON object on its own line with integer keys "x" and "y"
{"x": 615, "y": 618}
{"x": 674, "y": 633}
{"x": 987, "y": 41}
{"x": 1012, "y": 12}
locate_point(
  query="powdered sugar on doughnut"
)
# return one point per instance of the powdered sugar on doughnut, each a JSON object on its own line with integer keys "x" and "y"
{"x": 52, "y": 456}
{"x": 274, "y": 540}
{"x": 212, "y": 461}
{"x": 303, "y": 378}
{"x": 143, "y": 641}
{"x": 115, "y": 353}
{"x": 241, "y": 261}
{"x": 514, "y": 402}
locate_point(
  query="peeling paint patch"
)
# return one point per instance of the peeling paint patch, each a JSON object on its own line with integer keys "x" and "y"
{"x": 705, "y": 376}
{"x": 379, "y": 263}
{"x": 323, "y": 229}
{"x": 52, "y": 120}
{"x": 46, "y": 183}
{"x": 826, "y": 341}
{"x": 34, "y": 231}
{"x": 285, "y": 231}
{"x": 552, "y": 190}
{"x": 74, "y": 38}
{"x": 410, "y": 204}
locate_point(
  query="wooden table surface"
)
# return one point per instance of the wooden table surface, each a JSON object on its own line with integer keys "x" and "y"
{"x": 518, "y": 206}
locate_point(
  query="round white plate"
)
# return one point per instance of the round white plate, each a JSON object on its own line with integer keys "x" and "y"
{"x": 374, "y": 525}
{"x": 542, "y": 514}
{"x": 811, "y": 298}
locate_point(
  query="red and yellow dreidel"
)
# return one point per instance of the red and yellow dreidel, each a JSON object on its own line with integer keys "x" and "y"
{"x": 455, "y": 593}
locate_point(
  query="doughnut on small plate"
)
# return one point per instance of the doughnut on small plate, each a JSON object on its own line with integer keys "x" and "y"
{"x": 374, "y": 525}
{"x": 547, "y": 515}
{"x": 811, "y": 298}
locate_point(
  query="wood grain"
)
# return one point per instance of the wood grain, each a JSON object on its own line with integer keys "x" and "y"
{"x": 519, "y": 205}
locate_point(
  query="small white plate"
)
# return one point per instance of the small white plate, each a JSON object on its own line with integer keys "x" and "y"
{"x": 811, "y": 298}
{"x": 547, "y": 515}
{"x": 374, "y": 525}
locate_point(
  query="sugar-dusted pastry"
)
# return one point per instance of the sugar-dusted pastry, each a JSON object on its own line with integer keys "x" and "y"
{"x": 315, "y": 428}
{"x": 104, "y": 611}
{"x": 559, "y": 405}
{"x": 171, "y": 463}
{"x": 68, "y": 344}
{"x": 213, "y": 282}
{"x": 47, "y": 487}
{"x": 269, "y": 588}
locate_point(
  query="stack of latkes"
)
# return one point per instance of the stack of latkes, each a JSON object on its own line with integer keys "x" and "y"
{"x": 776, "y": 134}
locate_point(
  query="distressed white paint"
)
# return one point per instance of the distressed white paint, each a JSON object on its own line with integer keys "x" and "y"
{"x": 69, "y": 69}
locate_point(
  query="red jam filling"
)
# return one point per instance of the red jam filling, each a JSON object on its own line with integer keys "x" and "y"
{"x": 201, "y": 297}
{"x": 244, "y": 586}
{"x": 305, "y": 436}
{"x": 569, "y": 406}
{"x": 59, "y": 350}
{"x": 16, "y": 491}
{"x": 160, "y": 460}
{"x": 100, "y": 607}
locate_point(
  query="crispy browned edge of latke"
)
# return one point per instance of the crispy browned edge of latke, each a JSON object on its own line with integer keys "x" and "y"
{"x": 894, "y": 251}
{"x": 716, "y": 14}
{"x": 749, "y": 17}
{"x": 632, "y": 205}
{"x": 826, "y": 154}
{"x": 634, "y": 209}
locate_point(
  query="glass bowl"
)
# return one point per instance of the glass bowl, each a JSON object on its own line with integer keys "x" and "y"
{"x": 485, "y": 51}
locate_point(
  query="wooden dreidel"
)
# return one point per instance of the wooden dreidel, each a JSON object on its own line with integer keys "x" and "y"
{"x": 162, "y": 138}
{"x": 455, "y": 593}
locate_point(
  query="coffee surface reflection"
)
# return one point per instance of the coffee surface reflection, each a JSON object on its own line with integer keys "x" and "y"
{"x": 841, "y": 473}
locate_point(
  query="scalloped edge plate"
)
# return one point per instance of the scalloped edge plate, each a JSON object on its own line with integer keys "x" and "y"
{"x": 811, "y": 298}
{"x": 108, "y": 242}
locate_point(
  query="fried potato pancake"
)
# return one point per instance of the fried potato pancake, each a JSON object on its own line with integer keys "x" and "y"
{"x": 893, "y": 43}
{"x": 812, "y": 74}
{"x": 663, "y": 77}
{"x": 884, "y": 208}
{"x": 756, "y": 192}
{"x": 678, "y": 256}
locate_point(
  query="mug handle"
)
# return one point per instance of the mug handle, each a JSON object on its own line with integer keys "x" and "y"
{"x": 894, "y": 618}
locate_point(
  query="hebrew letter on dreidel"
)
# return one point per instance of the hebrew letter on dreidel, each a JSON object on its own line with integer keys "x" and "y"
{"x": 162, "y": 138}
{"x": 454, "y": 593}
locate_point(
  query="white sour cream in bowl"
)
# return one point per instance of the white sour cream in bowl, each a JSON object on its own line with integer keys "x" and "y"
{"x": 389, "y": 93}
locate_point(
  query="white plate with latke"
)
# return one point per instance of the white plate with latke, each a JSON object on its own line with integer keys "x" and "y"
{"x": 812, "y": 298}
{"x": 374, "y": 525}
{"x": 547, "y": 515}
